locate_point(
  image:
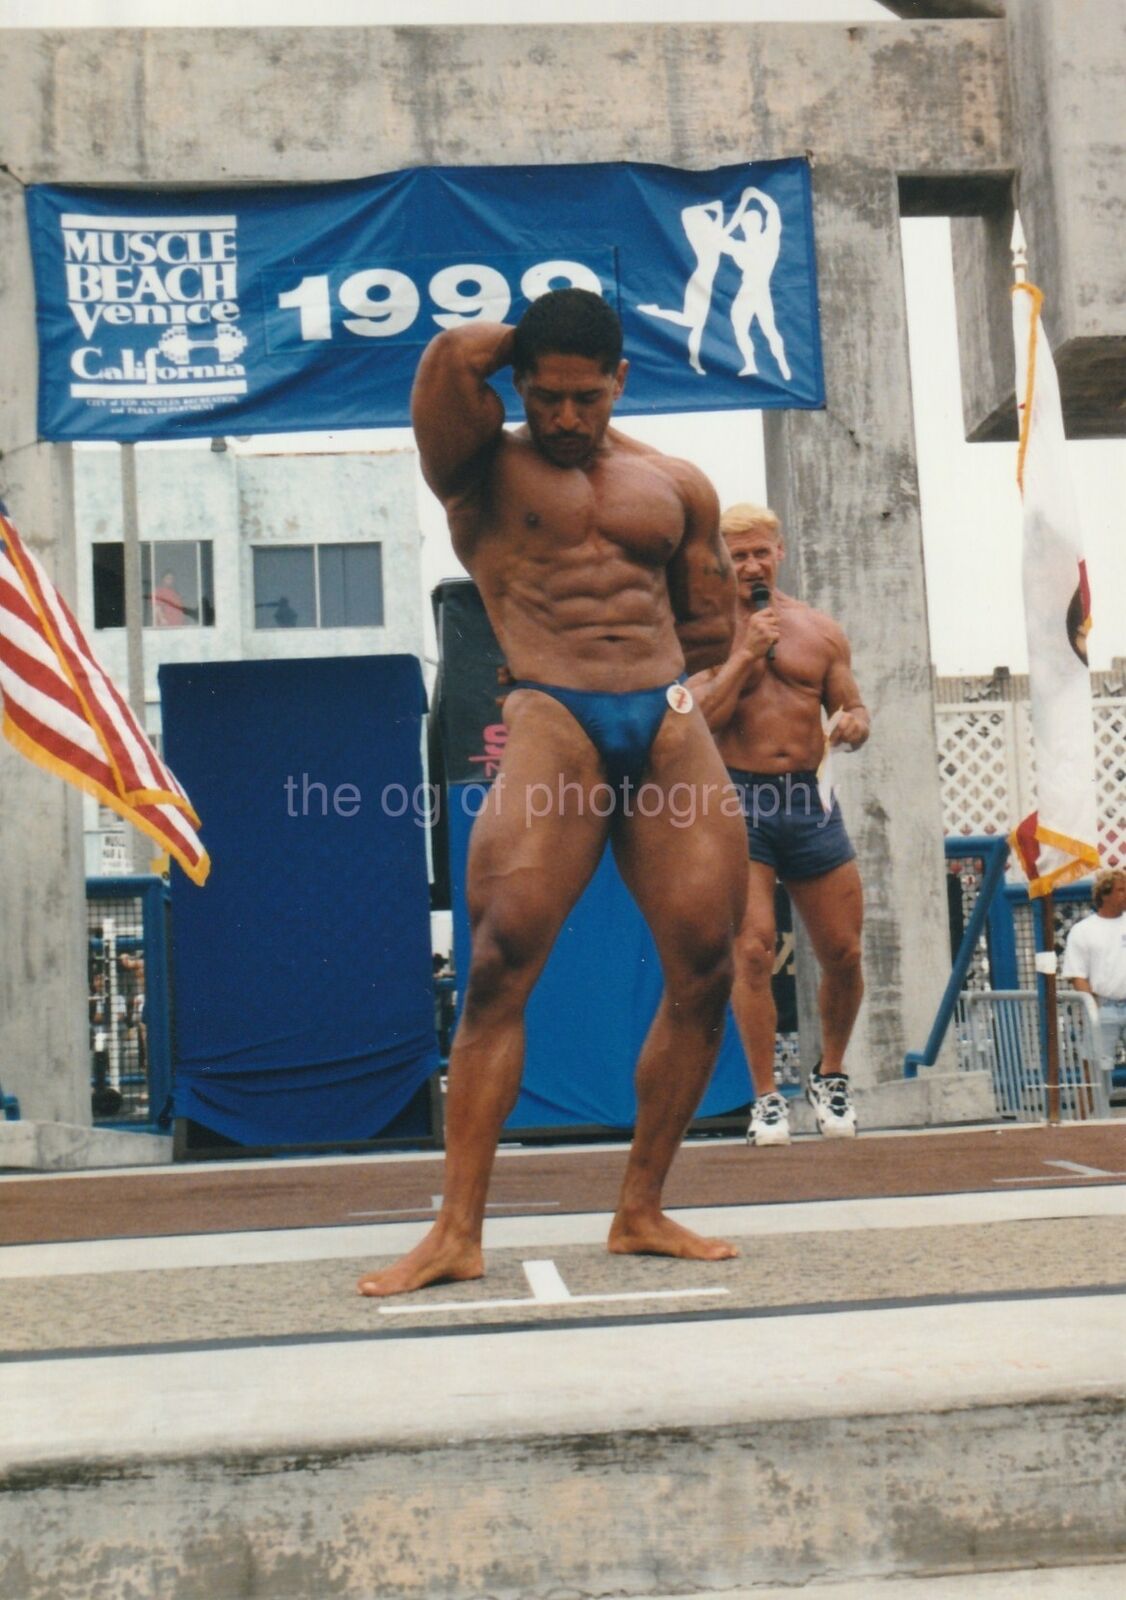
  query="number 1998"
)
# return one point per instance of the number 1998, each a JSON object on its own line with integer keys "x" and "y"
{"x": 381, "y": 302}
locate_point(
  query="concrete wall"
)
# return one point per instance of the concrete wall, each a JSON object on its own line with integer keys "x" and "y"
{"x": 1068, "y": 66}
{"x": 42, "y": 894}
{"x": 926, "y": 99}
{"x": 207, "y": 107}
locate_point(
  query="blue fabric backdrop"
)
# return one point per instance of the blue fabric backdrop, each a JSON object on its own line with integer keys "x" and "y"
{"x": 591, "y": 1009}
{"x": 304, "y": 1002}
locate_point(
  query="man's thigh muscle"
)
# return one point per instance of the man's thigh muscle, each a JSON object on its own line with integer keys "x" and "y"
{"x": 832, "y": 907}
{"x": 683, "y": 850}
{"x": 758, "y": 915}
{"x": 542, "y": 829}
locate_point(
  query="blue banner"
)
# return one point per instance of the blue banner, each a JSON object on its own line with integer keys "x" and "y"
{"x": 178, "y": 315}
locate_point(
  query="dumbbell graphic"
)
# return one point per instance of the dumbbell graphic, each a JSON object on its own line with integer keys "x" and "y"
{"x": 176, "y": 346}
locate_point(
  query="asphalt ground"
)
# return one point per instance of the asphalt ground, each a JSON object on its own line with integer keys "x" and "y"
{"x": 529, "y": 1181}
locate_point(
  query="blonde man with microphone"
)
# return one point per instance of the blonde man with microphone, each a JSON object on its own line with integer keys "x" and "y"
{"x": 788, "y": 665}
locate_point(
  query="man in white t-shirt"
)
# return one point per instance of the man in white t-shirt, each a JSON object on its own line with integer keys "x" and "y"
{"x": 1095, "y": 956}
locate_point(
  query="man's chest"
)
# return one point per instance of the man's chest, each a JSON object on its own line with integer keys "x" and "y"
{"x": 623, "y": 503}
{"x": 799, "y": 665}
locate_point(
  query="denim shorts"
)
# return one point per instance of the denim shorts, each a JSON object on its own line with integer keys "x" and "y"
{"x": 787, "y": 826}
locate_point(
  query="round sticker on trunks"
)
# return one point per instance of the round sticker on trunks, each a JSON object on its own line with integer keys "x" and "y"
{"x": 679, "y": 697}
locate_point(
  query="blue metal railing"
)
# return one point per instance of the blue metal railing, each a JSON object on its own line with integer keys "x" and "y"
{"x": 994, "y": 913}
{"x": 994, "y": 852}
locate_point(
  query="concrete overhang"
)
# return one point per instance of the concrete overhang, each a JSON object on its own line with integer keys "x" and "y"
{"x": 944, "y": 10}
{"x": 184, "y": 105}
{"x": 1091, "y": 365}
{"x": 1067, "y": 68}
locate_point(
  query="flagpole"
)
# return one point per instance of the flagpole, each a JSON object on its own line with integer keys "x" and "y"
{"x": 134, "y": 636}
{"x": 1051, "y": 1007}
{"x": 1047, "y": 966}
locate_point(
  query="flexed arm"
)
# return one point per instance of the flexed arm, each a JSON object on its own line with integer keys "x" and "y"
{"x": 757, "y": 250}
{"x": 719, "y": 690}
{"x": 771, "y": 215}
{"x": 458, "y": 417}
{"x": 701, "y": 578}
{"x": 749, "y": 194}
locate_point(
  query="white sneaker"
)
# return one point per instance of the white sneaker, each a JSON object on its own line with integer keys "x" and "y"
{"x": 832, "y": 1105}
{"x": 770, "y": 1121}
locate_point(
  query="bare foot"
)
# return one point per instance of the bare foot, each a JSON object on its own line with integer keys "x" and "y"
{"x": 435, "y": 1260}
{"x": 654, "y": 1234}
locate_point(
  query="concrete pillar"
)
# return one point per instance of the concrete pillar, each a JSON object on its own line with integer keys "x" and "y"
{"x": 43, "y": 1028}
{"x": 843, "y": 481}
{"x": 1067, "y": 61}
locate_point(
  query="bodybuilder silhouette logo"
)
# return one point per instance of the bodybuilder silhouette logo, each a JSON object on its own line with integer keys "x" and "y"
{"x": 752, "y": 239}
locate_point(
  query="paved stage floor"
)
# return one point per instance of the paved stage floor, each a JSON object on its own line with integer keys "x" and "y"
{"x": 207, "y": 1197}
{"x": 251, "y": 1255}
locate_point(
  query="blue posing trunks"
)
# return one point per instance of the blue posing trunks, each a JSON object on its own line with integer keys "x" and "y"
{"x": 621, "y": 727}
{"x": 787, "y": 826}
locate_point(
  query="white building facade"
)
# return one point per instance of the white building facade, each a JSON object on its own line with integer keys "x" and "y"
{"x": 244, "y": 557}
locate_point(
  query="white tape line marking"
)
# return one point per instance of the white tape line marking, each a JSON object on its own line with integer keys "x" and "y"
{"x": 575, "y": 1300}
{"x": 1084, "y": 1171}
{"x": 1072, "y": 1169}
{"x": 545, "y": 1282}
{"x": 548, "y": 1289}
{"x": 529, "y": 1207}
{"x": 398, "y": 1211}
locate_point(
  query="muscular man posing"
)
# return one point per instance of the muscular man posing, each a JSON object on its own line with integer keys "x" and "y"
{"x": 604, "y": 575}
{"x": 764, "y": 705}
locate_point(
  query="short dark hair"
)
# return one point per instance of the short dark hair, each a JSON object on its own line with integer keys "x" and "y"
{"x": 568, "y": 322}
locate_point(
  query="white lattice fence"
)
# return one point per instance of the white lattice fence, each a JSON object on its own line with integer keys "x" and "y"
{"x": 1110, "y": 769}
{"x": 987, "y": 772}
{"x": 977, "y": 767}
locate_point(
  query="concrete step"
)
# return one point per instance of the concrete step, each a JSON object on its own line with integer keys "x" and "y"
{"x": 29, "y": 1146}
{"x": 1031, "y": 1583}
{"x": 595, "y": 1491}
{"x": 933, "y": 1099}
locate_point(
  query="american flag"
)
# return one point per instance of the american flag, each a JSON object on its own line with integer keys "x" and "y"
{"x": 65, "y": 713}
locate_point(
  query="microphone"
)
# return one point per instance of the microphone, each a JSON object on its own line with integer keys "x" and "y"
{"x": 760, "y": 599}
